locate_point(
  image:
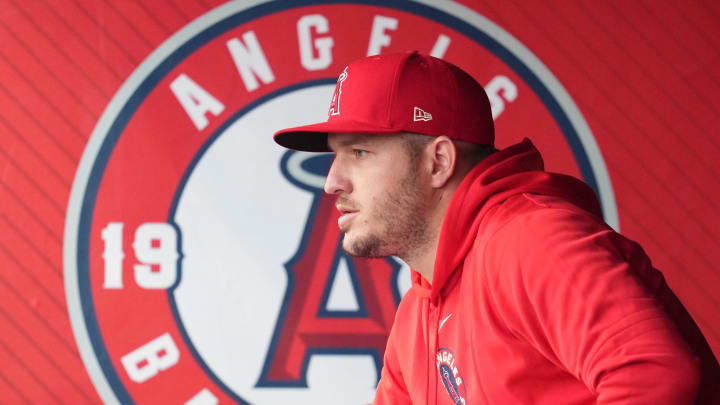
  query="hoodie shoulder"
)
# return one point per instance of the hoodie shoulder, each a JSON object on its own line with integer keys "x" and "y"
{"x": 578, "y": 292}
{"x": 528, "y": 212}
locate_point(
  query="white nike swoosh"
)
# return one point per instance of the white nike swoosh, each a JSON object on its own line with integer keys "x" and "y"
{"x": 443, "y": 321}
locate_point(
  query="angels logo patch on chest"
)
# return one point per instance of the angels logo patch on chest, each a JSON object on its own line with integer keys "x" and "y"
{"x": 450, "y": 376}
{"x": 203, "y": 262}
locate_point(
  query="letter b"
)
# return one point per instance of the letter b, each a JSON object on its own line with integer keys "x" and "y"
{"x": 144, "y": 362}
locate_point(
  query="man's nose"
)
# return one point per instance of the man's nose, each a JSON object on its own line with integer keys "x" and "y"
{"x": 336, "y": 181}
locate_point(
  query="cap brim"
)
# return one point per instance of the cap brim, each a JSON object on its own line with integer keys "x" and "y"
{"x": 313, "y": 138}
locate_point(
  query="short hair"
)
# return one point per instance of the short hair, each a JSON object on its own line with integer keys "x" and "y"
{"x": 468, "y": 153}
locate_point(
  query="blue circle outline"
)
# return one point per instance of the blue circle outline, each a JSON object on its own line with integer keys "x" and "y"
{"x": 220, "y": 27}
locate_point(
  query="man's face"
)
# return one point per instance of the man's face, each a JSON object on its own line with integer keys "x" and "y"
{"x": 380, "y": 197}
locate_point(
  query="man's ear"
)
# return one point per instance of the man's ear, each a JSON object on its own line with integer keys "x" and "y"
{"x": 443, "y": 157}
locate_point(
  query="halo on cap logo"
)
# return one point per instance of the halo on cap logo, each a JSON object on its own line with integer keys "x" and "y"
{"x": 197, "y": 250}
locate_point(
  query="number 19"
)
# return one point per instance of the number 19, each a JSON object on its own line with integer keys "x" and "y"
{"x": 155, "y": 248}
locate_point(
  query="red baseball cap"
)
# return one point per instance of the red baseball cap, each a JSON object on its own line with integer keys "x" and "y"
{"x": 401, "y": 92}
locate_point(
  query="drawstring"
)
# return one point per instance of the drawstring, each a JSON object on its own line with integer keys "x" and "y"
{"x": 430, "y": 327}
{"x": 431, "y": 342}
{"x": 426, "y": 335}
{"x": 436, "y": 337}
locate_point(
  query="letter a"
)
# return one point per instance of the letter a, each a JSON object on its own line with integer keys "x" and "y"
{"x": 305, "y": 327}
{"x": 195, "y": 100}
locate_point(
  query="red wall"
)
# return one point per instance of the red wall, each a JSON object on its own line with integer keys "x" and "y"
{"x": 643, "y": 74}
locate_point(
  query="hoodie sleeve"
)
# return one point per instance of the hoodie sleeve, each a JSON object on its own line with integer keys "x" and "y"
{"x": 391, "y": 389}
{"x": 563, "y": 283}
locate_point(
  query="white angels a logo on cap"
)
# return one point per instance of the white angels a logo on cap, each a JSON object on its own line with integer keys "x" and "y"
{"x": 421, "y": 115}
{"x": 335, "y": 102}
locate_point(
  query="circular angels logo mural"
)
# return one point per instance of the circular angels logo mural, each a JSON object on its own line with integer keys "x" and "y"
{"x": 202, "y": 261}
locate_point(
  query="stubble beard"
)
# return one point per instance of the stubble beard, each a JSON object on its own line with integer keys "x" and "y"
{"x": 403, "y": 226}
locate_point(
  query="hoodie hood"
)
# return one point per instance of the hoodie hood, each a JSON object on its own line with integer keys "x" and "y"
{"x": 515, "y": 170}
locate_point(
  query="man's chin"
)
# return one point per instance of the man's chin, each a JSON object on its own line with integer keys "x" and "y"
{"x": 368, "y": 246}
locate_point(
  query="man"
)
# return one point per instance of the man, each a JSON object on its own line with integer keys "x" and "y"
{"x": 521, "y": 293}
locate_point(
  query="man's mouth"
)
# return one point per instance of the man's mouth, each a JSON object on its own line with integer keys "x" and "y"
{"x": 346, "y": 215}
{"x": 344, "y": 220}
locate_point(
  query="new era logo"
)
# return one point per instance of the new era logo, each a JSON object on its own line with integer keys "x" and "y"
{"x": 421, "y": 115}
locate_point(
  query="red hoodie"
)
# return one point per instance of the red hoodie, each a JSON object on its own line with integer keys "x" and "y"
{"x": 535, "y": 300}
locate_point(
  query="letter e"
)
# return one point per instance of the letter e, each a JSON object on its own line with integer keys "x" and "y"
{"x": 378, "y": 38}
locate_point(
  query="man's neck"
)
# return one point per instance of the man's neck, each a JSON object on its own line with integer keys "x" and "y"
{"x": 422, "y": 259}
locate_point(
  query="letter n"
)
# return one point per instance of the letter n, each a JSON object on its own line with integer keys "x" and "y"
{"x": 250, "y": 61}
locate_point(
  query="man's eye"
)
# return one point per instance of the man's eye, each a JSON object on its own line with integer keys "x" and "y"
{"x": 359, "y": 153}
